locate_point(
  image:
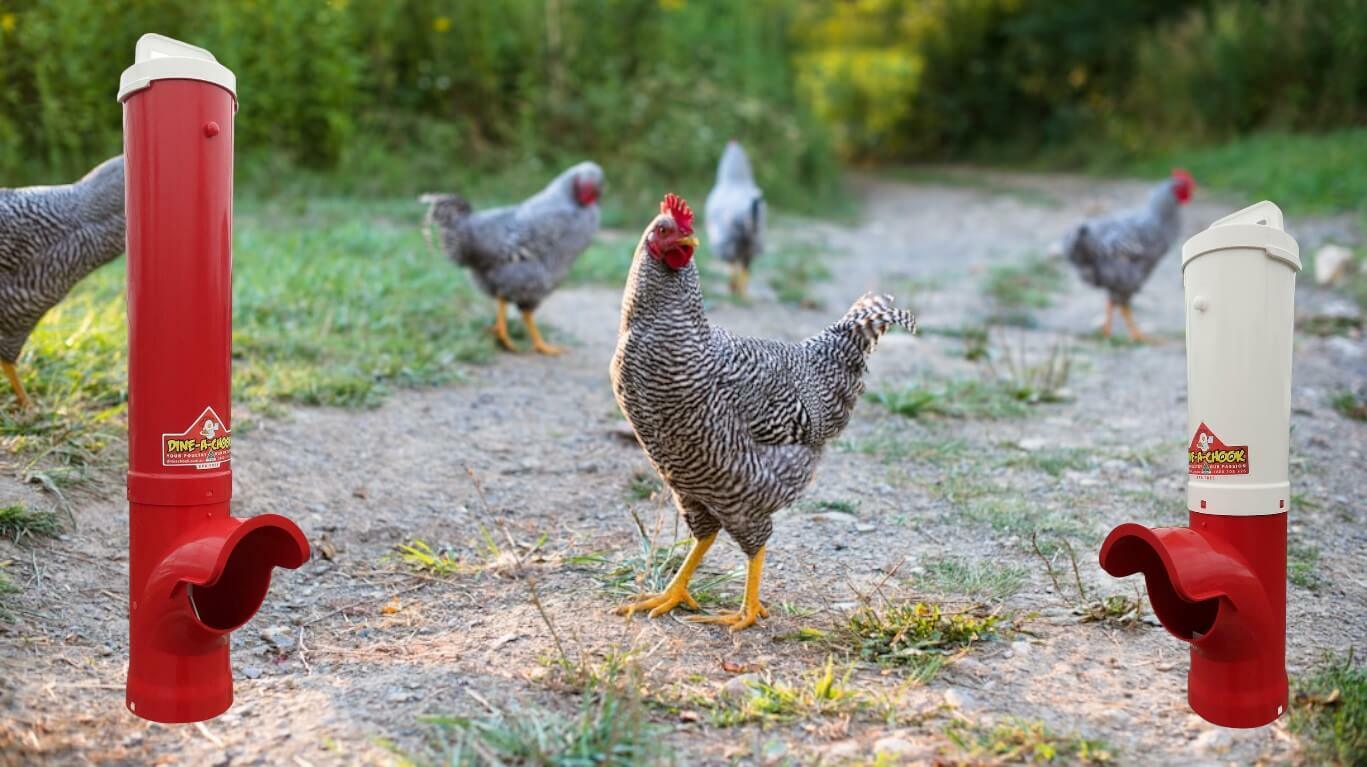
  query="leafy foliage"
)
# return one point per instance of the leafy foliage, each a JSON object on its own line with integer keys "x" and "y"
{"x": 1329, "y": 712}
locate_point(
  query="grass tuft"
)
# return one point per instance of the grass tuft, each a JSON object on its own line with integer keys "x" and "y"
{"x": 822, "y": 692}
{"x": 609, "y": 730}
{"x": 1329, "y": 712}
{"x": 649, "y": 569}
{"x": 1016, "y": 290}
{"x": 421, "y": 557}
{"x": 18, "y": 523}
{"x": 1023, "y": 741}
{"x": 1302, "y": 562}
{"x": 991, "y": 580}
{"x": 7, "y": 588}
{"x": 918, "y": 637}
{"x": 1350, "y": 404}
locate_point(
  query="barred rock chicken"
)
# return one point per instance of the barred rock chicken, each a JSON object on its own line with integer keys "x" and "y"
{"x": 735, "y": 426}
{"x": 50, "y": 238}
{"x": 520, "y": 253}
{"x": 1117, "y": 253}
{"x": 735, "y": 215}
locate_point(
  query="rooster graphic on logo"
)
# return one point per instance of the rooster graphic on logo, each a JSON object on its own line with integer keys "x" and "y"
{"x": 211, "y": 428}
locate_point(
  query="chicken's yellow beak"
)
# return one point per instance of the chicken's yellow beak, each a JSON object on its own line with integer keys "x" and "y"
{"x": 691, "y": 241}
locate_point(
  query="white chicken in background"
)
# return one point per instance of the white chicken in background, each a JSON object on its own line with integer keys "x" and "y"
{"x": 735, "y": 215}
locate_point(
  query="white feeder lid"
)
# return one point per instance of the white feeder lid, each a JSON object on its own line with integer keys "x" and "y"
{"x": 161, "y": 58}
{"x": 1258, "y": 227}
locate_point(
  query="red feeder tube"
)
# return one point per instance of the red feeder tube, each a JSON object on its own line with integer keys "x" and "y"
{"x": 1220, "y": 583}
{"x": 195, "y": 572}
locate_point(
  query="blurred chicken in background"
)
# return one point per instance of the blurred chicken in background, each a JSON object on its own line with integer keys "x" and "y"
{"x": 520, "y": 253}
{"x": 1117, "y": 253}
{"x": 735, "y": 215}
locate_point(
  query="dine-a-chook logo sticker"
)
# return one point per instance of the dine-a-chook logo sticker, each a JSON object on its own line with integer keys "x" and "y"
{"x": 206, "y": 444}
{"x": 1209, "y": 457}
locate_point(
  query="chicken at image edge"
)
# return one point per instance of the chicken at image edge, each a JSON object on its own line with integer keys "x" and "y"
{"x": 734, "y": 426}
{"x": 520, "y": 253}
{"x": 1118, "y": 253}
{"x": 50, "y": 238}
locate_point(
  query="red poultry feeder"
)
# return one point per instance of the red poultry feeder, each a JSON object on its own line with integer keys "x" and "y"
{"x": 195, "y": 572}
{"x": 1220, "y": 584}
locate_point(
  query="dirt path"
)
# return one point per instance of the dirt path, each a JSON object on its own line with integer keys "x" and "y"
{"x": 363, "y": 649}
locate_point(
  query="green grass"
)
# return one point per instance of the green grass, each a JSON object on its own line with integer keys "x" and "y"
{"x": 18, "y": 523}
{"x": 1302, "y": 565}
{"x": 964, "y": 179}
{"x": 7, "y": 588}
{"x": 1350, "y": 405}
{"x": 968, "y": 577}
{"x": 650, "y": 568}
{"x": 1012, "y": 514}
{"x": 609, "y": 730}
{"x": 1303, "y": 173}
{"x": 1017, "y": 289}
{"x": 792, "y": 270}
{"x": 818, "y": 505}
{"x": 822, "y": 692}
{"x": 421, "y": 557}
{"x": 918, "y": 637}
{"x": 1051, "y": 461}
{"x": 957, "y": 398}
{"x": 335, "y": 302}
{"x": 1329, "y": 712}
{"x": 643, "y": 486}
{"x": 1023, "y": 741}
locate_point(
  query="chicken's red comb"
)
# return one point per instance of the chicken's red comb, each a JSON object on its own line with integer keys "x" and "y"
{"x": 1183, "y": 174}
{"x": 678, "y": 209}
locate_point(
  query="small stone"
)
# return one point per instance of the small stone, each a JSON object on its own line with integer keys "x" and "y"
{"x": 843, "y": 750}
{"x": 1332, "y": 263}
{"x": 957, "y": 698}
{"x": 278, "y": 637}
{"x": 738, "y": 688}
{"x": 251, "y": 672}
{"x": 1031, "y": 444}
{"x": 895, "y": 747}
{"x": 1020, "y": 647}
{"x": 1212, "y": 742}
{"x": 396, "y": 695}
{"x": 834, "y": 517}
{"x": 865, "y": 527}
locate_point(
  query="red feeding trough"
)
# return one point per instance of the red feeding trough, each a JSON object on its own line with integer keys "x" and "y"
{"x": 195, "y": 573}
{"x": 1220, "y": 584}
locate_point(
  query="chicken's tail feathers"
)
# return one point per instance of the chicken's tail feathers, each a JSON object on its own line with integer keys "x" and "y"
{"x": 441, "y": 209}
{"x": 873, "y": 314}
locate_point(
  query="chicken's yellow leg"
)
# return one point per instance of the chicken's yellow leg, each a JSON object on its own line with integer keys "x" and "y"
{"x": 13, "y": 376}
{"x": 538, "y": 342}
{"x": 750, "y": 607}
{"x": 1129, "y": 325}
{"x": 676, "y": 593}
{"x": 1110, "y": 315}
{"x": 501, "y": 327}
{"x": 740, "y": 279}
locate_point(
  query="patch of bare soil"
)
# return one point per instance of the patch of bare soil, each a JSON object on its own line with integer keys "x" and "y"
{"x": 350, "y": 653}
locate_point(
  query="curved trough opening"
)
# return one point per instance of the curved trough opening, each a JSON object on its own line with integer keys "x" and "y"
{"x": 241, "y": 587}
{"x": 1185, "y": 619}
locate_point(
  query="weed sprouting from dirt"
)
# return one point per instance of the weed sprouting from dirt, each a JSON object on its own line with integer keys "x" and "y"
{"x": 609, "y": 730}
{"x": 953, "y": 398}
{"x": 1015, "y": 290}
{"x": 1302, "y": 561}
{"x": 649, "y": 569}
{"x": 1114, "y": 610}
{"x": 1050, "y": 461}
{"x": 7, "y": 588}
{"x": 793, "y": 269}
{"x": 421, "y": 557}
{"x": 819, "y": 505}
{"x": 1022, "y": 741}
{"x": 1351, "y": 404}
{"x": 971, "y": 578}
{"x": 918, "y": 635}
{"x": 822, "y": 692}
{"x": 643, "y": 486}
{"x": 1029, "y": 379}
{"x": 18, "y": 522}
{"x": 1329, "y": 712}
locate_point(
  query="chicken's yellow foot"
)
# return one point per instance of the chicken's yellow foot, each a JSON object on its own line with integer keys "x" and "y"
{"x": 750, "y": 607}
{"x": 676, "y": 593}
{"x": 501, "y": 327}
{"x": 538, "y": 342}
{"x": 1130, "y": 326}
{"x": 740, "y": 279}
{"x": 1110, "y": 315}
{"x": 13, "y": 375}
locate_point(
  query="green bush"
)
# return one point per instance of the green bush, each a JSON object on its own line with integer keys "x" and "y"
{"x": 414, "y": 95}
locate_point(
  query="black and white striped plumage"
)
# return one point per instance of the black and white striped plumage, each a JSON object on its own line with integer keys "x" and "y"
{"x": 520, "y": 253}
{"x": 735, "y": 210}
{"x": 1117, "y": 253}
{"x": 50, "y": 238}
{"x": 735, "y": 426}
